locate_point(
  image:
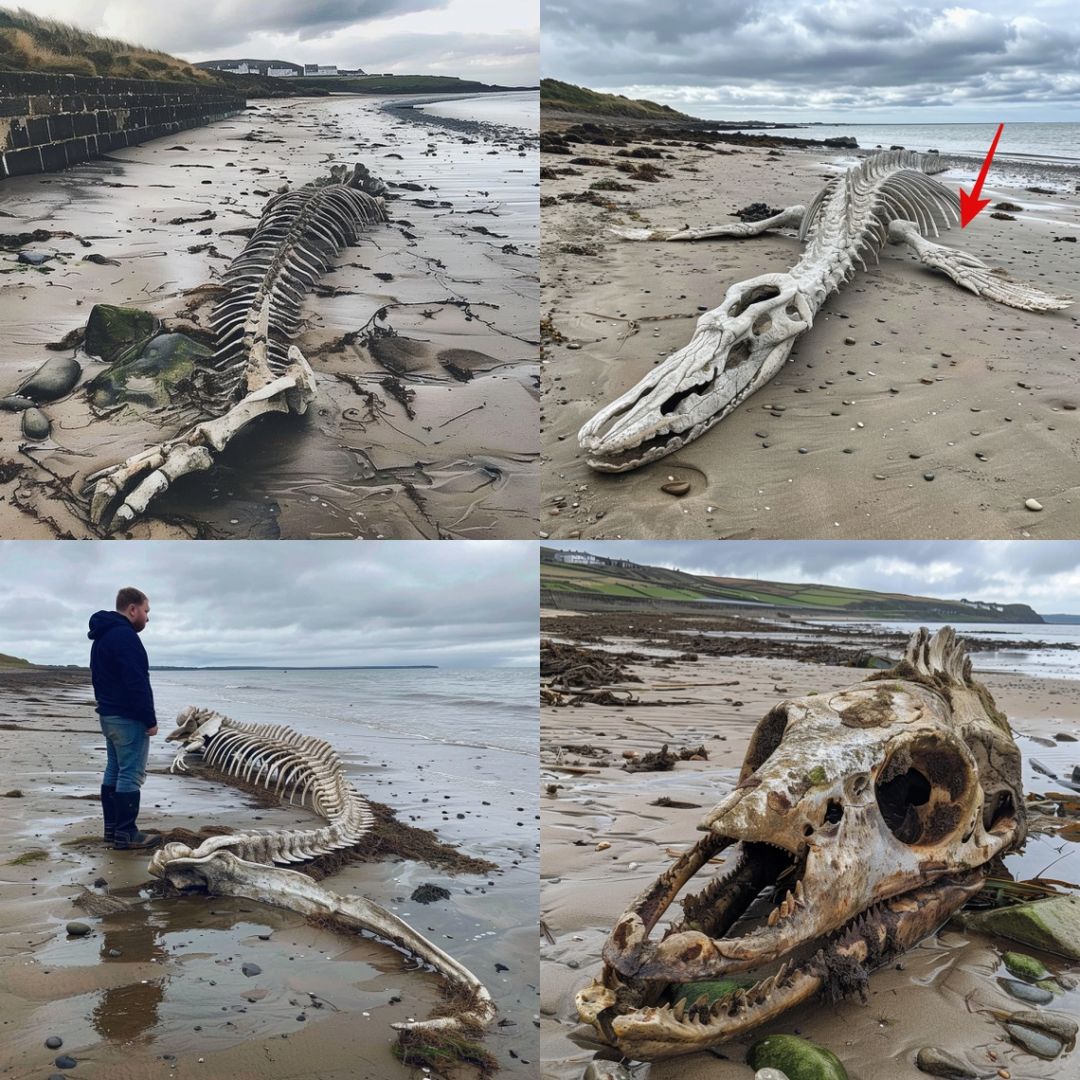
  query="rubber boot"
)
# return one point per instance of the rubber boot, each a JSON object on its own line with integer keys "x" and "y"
{"x": 108, "y": 811}
{"x": 128, "y": 836}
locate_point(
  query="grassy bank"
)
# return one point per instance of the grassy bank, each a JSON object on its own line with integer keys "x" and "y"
{"x": 569, "y": 98}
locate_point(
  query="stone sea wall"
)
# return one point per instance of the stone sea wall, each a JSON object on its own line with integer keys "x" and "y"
{"x": 48, "y": 122}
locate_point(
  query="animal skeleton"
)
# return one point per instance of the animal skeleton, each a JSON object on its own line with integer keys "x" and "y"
{"x": 283, "y": 761}
{"x": 740, "y": 345}
{"x": 866, "y": 817}
{"x": 255, "y": 369}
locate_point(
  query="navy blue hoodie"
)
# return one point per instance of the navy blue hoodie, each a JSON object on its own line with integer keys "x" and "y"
{"x": 120, "y": 669}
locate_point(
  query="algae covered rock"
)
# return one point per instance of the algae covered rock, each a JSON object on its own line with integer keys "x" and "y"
{"x": 52, "y": 380}
{"x": 1024, "y": 967}
{"x": 1052, "y": 924}
{"x": 116, "y": 334}
{"x": 151, "y": 378}
{"x": 796, "y": 1058}
{"x": 710, "y": 989}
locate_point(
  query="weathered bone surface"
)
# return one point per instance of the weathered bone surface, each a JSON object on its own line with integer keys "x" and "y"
{"x": 306, "y": 771}
{"x": 861, "y": 821}
{"x": 255, "y": 369}
{"x": 740, "y": 345}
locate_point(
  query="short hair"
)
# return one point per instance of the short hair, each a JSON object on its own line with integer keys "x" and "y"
{"x": 126, "y": 597}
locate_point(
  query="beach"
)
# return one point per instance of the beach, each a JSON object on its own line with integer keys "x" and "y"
{"x": 173, "y": 1000}
{"x": 605, "y": 838}
{"x": 911, "y": 408}
{"x": 422, "y": 337}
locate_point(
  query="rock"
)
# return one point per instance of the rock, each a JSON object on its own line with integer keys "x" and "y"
{"x": 116, "y": 334}
{"x": 928, "y": 476}
{"x": 770, "y": 1074}
{"x": 151, "y": 378}
{"x": 77, "y": 929}
{"x": 1011, "y": 206}
{"x": 1033, "y": 504}
{"x": 606, "y": 1070}
{"x": 54, "y": 1042}
{"x": 1053, "y": 1023}
{"x": 1024, "y": 967}
{"x": 1052, "y": 924}
{"x": 849, "y": 341}
{"x": 65, "y": 1061}
{"x": 428, "y": 894}
{"x": 34, "y": 258}
{"x": 797, "y": 1058}
{"x": 35, "y": 424}
{"x": 937, "y": 1062}
{"x": 250, "y": 969}
{"x": 14, "y": 403}
{"x": 115, "y": 952}
{"x": 845, "y": 142}
{"x": 1035, "y": 1042}
{"x": 1022, "y": 991}
{"x": 53, "y": 379}
{"x": 676, "y": 487}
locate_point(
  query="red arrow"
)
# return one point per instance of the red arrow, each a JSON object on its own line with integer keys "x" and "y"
{"x": 971, "y": 204}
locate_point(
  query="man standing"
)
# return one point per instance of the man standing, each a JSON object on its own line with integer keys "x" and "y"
{"x": 125, "y": 703}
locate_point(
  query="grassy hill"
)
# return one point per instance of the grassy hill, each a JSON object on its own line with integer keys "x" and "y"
{"x": 569, "y": 98}
{"x": 634, "y": 581}
{"x": 315, "y": 85}
{"x": 13, "y": 661}
{"x": 30, "y": 43}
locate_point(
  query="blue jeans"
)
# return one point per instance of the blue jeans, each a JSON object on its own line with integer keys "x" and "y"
{"x": 128, "y": 747}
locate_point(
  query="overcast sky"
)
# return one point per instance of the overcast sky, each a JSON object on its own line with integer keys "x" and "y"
{"x": 859, "y": 60}
{"x": 460, "y": 604}
{"x": 1042, "y": 573}
{"x": 490, "y": 40}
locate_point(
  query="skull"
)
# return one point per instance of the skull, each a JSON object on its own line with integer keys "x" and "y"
{"x": 735, "y": 350}
{"x": 869, "y": 814}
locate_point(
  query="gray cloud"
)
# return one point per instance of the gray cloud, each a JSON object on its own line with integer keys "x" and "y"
{"x": 466, "y": 604}
{"x": 1043, "y": 573}
{"x": 808, "y": 55}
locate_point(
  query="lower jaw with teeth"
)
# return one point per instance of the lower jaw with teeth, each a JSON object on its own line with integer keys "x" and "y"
{"x": 680, "y": 1023}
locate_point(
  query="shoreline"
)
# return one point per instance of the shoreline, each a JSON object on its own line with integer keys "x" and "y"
{"x": 605, "y": 838}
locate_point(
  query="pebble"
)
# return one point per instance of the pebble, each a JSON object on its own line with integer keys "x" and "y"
{"x": 928, "y": 476}
{"x": 114, "y": 952}
{"x": 1057, "y": 1024}
{"x": 77, "y": 929}
{"x": 35, "y": 424}
{"x": 677, "y": 487}
{"x": 65, "y": 1061}
{"x": 53, "y": 379}
{"x": 1035, "y": 1042}
{"x": 34, "y": 258}
{"x": 1033, "y": 504}
{"x": 938, "y": 1062}
{"x": 770, "y": 1074}
{"x": 15, "y": 403}
{"x": 250, "y": 969}
{"x": 54, "y": 1042}
{"x": 849, "y": 341}
{"x": 1022, "y": 991}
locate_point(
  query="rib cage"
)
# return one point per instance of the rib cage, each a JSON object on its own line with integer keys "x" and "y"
{"x": 297, "y": 237}
{"x": 287, "y": 764}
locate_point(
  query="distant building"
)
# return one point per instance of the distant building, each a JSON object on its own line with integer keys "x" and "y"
{"x": 320, "y": 69}
{"x": 579, "y": 558}
{"x": 284, "y": 72}
{"x": 247, "y": 66}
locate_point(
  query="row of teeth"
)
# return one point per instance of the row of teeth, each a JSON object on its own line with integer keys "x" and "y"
{"x": 702, "y": 1012}
{"x": 788, "y": 905}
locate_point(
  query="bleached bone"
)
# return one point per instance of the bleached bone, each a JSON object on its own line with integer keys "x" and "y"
{"x": 255, "y": 369}
{"x": 281, "y": 760}
{"x": 740, "y": 345}
{"x": 864, "y": 817}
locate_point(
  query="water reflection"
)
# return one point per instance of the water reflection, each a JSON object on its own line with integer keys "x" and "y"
{"x": 123, "y": 1013}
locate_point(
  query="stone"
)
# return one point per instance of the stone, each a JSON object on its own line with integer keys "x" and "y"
{"x": 938, "y": 1062}
{"x": 78, "y": 929}
{"x": 250, "y": 969}
{"x": 151, "y": 378}
{"x": 1054, "y": 1023}
{"x": 676, "y": 487}
{"x": 53, "y": 379}
{"x": 35, "y": 424}
{"x": 1033, "y": 504}
{"x": 116, "y": 334}
{"x": 797, "y": 1058}
{"x": 427, "y": 894}
{"x": 65, "y": 1061}
{"x": 1051, "y": 924}
{"x": 1024, "y": 966}
{"x": 34, "y": 258}
{"x": 15, "y": 403}
{"x": 1022, "y": 991}
{"x": 770, "y": 1074}
{"x": 1035, "y": 1042}
{"x": 606, "y": 1070}
{"x": 54, "y": 1042}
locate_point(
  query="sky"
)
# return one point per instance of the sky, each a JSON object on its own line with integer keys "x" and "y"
{"x": 466, "y": 604}
{"x": 911, "y": 61}
{"x": 490, "y": 40}
{"x": 1042, "y": 573}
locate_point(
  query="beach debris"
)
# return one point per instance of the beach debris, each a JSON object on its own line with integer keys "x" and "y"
{"x": 34, "y": 258}
{"x": 938, "y": 1062}
{"x": 757, "y": 211}
{"x": 115, "y": 334}
{"x": 571, "y": 674}
{"x": 428, "y": 894}
{"x": 255, "y": 369}
{"x": 663, "y": 760}
{"x": 797, "y": 1058}
{"x": 740, "y": 345}
{"x": 275, "y": 760}
{"x": 1010, "y": 206}
{"x": 35, "y": 424}
{"x": 100, "y": 903}
{"x": 77, "y": 929}
{"x": 52, "y": 380}
{"x": 865, "y": 817}
{"x": 1051, "y": 924}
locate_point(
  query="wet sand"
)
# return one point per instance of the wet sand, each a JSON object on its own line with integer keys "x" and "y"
{"x": 430, "y": 432}
{"x": 175, "y": 1001}
{"x": 940, "y": 996}
{"x": 936, "y": 375}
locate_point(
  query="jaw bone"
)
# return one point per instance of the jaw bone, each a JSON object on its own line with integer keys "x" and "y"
{"x": 306, "y": 770}
{"x": 885, "y": 799}
{"x": 889, "y": 196}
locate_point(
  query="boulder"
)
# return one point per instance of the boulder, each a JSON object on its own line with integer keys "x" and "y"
{"x": 52, "y": 380}
{"x": 151, "y": 378}
{"x": 35, "y": 424}
{"x": 796, "y": 1058}
{"x": 1052, "y": 924}
{"x": 116, "y": 334}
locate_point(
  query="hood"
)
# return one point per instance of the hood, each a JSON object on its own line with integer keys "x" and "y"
{"x": 101, "y": 622}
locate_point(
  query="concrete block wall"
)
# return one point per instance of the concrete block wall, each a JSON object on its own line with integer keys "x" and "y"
{"x": 48, "y": 122}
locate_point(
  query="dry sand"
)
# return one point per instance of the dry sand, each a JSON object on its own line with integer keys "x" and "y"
{"x": 940, "y": 996}
{"x": 433, "y": 435}
{"x": 175, "y": 1002}
{"x": 936, "y": 376}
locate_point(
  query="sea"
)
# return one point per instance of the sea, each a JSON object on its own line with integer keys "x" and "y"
{"x": 519, "y": 109}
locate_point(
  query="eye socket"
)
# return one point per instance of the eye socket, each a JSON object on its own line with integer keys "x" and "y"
{"x": 834, "y": 811}
{"x": 922, "y": 790}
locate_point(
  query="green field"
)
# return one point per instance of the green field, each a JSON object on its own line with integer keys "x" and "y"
{"x": 569, "y": 98}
